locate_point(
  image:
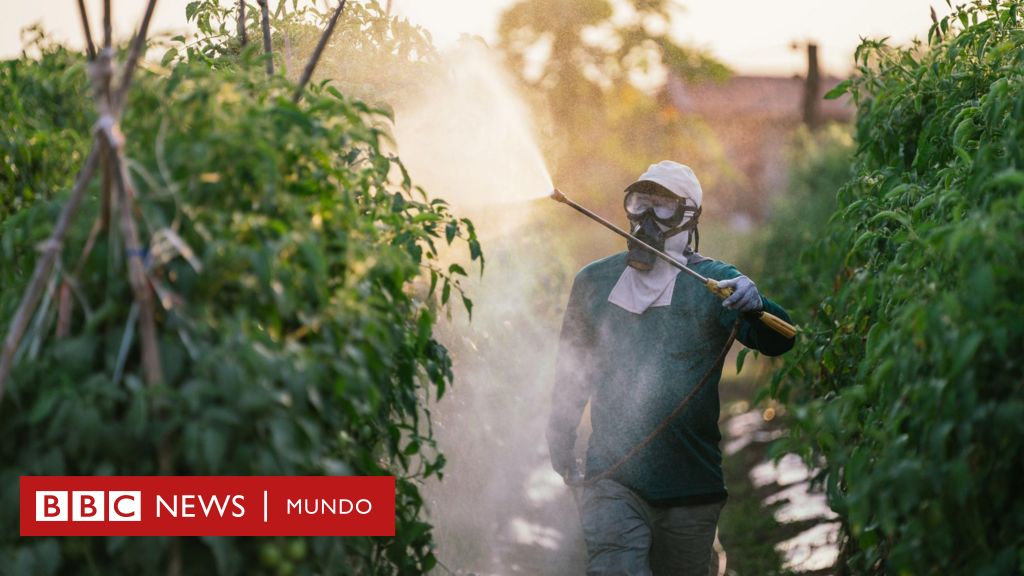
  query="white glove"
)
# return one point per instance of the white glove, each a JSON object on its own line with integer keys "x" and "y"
{"x": 744, "y": 298}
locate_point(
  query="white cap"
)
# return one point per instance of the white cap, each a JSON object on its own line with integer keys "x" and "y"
{"x": 677, "y": 178}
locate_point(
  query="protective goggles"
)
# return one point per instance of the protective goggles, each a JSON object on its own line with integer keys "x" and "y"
{"x": 669, "y": 209}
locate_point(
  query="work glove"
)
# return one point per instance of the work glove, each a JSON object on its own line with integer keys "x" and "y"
{"x": 745, "y": 297}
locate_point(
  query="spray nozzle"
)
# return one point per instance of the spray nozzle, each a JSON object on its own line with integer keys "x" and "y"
{"x": 557, "y": 196}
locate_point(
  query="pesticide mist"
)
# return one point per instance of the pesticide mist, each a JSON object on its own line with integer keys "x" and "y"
{"x": 467, "y": 137}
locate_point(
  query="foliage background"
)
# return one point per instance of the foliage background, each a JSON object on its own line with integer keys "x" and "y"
{"x": 907, "y": 381}
{"x": 298, "y": 275}
{"x": 601, "y": 87}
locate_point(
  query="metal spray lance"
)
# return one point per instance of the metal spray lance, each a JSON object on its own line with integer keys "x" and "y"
{"x": 770, "y": 320}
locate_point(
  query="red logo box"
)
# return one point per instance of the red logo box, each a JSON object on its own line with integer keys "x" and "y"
{"x": 207, "y": 505}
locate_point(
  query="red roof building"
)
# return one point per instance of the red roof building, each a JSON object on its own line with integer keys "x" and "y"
{"x": 753, "y": 119}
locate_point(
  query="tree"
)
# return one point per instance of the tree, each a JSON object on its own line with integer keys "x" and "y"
{"x": 599, "y": 65}
{"x": 592, "y": 47}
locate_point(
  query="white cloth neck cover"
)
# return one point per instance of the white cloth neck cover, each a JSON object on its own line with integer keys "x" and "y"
{"x": 637, "y": 291}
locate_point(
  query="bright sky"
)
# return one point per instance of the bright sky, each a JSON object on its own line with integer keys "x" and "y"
{"x": 752, "y": 36}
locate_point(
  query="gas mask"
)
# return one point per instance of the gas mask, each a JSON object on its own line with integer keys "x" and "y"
{"x": 655, "y": 215}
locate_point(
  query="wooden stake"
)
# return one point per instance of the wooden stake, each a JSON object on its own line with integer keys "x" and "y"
{"x": 268, "y": 50}
{"x": 136, "y": 266}
{"x": 107, "y": 29}
{"x": 242, "y": 36}
{"x": 287, "y": 54}
{"x": 44, "y": 265}
{"x": 90, "y": 48}
{"x": 64, "y": 310}
{"x": 315, "y": 58}
{"x": 138, "y": 47}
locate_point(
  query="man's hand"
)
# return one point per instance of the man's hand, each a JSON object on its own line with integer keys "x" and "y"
{"x": 744, "y": 298}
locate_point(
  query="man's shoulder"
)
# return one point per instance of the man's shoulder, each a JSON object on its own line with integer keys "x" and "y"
{"x": 609, "y": 268}
{"x": 603, "y": 269}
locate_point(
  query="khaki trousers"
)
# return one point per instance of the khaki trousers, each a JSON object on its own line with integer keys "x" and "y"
{"x": 625, "y": 536}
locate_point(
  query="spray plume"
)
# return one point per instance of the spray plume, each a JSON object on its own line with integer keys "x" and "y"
{"x": 469, "y": 137}
{"x": 465, "y": 134}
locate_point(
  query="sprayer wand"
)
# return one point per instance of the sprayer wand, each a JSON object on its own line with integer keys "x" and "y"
{"x": 770, "y": 320}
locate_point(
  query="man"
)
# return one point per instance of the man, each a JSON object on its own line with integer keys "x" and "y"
{"x": 637, "y": 338}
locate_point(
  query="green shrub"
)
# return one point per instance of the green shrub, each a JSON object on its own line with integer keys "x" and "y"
{"x": 44, "y": 122}
{"x": 298, "y": 281}
{"x": 908, "y": 378}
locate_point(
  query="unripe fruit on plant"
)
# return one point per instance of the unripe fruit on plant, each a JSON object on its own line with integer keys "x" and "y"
{"x": 270, "y": 554}
{"x": 297, "y": 549}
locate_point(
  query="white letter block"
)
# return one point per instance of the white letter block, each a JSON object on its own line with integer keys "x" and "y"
{"x": 124, "y": 506}
{"x": 87, "y": 506}
{"x": 51, "y": 506}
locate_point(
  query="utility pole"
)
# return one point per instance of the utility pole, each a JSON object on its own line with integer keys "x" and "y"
{"x": 812, "y": 89}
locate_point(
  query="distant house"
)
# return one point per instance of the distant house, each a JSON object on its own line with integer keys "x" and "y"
{"x": 753, "y": 119}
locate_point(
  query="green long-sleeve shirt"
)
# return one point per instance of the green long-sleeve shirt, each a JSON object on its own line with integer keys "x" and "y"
{"x": 635, "y": 369}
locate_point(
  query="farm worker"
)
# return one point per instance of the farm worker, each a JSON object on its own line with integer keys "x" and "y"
{"x": 637, "y": 336}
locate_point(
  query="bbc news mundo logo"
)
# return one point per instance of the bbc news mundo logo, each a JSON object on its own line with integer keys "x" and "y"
{"x": 207, "y": 505}
{"x": 89, "y": 506}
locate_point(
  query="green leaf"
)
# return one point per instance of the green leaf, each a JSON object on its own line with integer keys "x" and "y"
{"x": 451, "y": 230}
{"x": 840, "y": 89}
{"x": 215, "y": 446}
{"x": 425, "y": 325}
{"x": 191, "y": 9}
{"x": 740, "y": 357}
{"x": 169, "y": 57}
{"x": 429, "y": 562}
{"x": 43, "y": 406}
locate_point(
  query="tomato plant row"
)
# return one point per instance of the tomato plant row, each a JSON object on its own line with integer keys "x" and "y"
{"x": 908, "y": 383}
{"x": 298, "y": 277}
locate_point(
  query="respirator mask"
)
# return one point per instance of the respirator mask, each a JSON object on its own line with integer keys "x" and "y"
{"x": 655, "y": 215}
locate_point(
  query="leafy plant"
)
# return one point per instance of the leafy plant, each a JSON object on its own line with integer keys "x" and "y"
{"x": 365, "y": 42}
{"x": 908, "y": 380}
{"x": 43, "y": 126}
{"x": 298, "y": 278}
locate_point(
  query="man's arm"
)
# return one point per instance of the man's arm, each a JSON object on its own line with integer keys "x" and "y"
{"x": 756, "y": 335}
{"x": 745, "y": 302}
{"x": 571, "y": 387}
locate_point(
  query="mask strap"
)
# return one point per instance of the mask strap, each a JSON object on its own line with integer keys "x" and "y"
{"x": 690, "y": 224}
